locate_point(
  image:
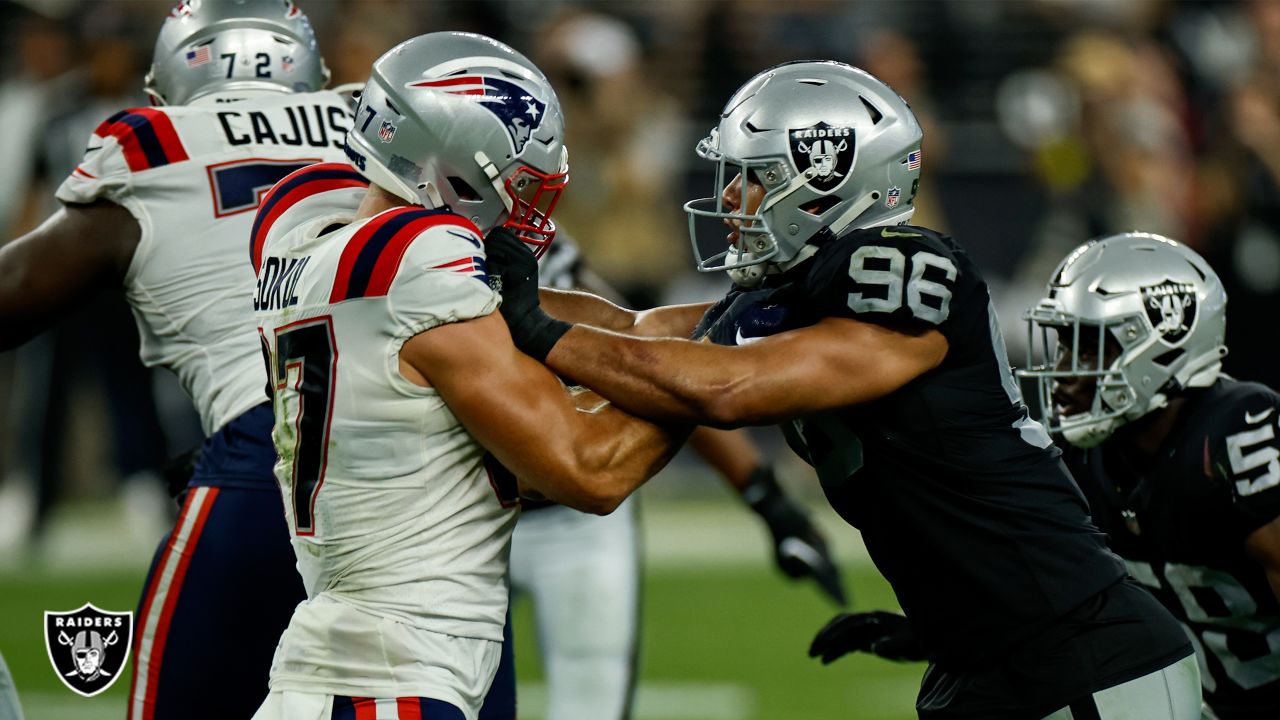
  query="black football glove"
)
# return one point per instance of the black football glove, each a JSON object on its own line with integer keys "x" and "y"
{"x": 885, "y": 634}
{"x": 798, "y": 548}
{"x": 513, "y": 272}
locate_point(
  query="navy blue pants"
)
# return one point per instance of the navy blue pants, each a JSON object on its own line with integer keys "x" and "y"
{"x": 221, "y": 589}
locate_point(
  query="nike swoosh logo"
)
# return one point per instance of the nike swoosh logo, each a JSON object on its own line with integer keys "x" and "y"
{"x": 887, "y": 233}
{"x": 1255, "y": 419}
{"x": 740, "y": 340}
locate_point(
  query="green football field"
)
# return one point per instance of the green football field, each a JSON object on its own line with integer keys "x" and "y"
{"x": 724, "y": 635}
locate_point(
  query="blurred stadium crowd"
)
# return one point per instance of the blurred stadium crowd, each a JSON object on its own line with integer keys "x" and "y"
{"x": 1046, "y": 122}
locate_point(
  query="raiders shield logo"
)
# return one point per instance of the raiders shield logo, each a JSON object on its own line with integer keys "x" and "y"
{"x": 88, "y": 647}
{"x": 1171, "y": 308}
{"x": 827, "y": 151}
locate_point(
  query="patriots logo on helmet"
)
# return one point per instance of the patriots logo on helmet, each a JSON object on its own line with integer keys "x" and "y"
{"x": 516, "y": 108}
{"x": 1171, "y": 308}
{"x": 823, "y": 153}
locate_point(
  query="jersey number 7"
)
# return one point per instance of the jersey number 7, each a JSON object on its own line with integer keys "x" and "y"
{"x": 306, "y": 353}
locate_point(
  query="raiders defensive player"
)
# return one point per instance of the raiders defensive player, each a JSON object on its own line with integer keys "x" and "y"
{"x": 1180, "y": 462}
{"x": 875, "y": 345}
{"x": 402, "y": 409}
{"x": 162, "y": 205}
{"x": 582, "y": 572}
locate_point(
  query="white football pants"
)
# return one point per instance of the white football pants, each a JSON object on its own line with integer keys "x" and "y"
{"x": 1171, "y": 693}
{"x": 582, "y": 573}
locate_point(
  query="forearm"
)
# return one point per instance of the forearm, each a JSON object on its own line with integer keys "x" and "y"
{"x": 575, "y": 306}
{"x": 730, "y": 452}
{"x": 663, "y": 379}
{"x": 626, "y": 452}
{"x": 583, "y": 308}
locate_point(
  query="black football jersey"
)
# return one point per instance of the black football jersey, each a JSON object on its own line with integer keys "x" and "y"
{"x": 962, "y": 500}
{"x": 1180, "y": 522}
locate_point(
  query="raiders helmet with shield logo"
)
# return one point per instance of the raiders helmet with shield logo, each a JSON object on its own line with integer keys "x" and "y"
{"x": 208, "y": 46}
{"x": 1139, "y": 315}
{"x": 833, "y": 147}
{"x": 462, "y": 120}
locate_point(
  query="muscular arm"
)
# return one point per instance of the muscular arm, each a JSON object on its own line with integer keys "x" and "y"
{"x": 834, "y": 363}
{"x": 731, "y": 452}
{"x": 43, "y": 274}
{"x": 1263, "y": 545}
{"x": 513, "y": 406}
{"x": 577, "y": 307}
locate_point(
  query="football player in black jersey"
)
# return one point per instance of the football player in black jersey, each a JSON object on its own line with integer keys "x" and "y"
{"x": 873, "y": 343}
{"x": 1180, "y": 462}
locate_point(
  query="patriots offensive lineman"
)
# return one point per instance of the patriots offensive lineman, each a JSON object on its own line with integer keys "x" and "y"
{"x": 162, "y": 204}
{"x": 874, "y": 344}
{"x": 403, "y": 411}
{"x": 582, "y": 572}
{"x": 1180, "y": 462}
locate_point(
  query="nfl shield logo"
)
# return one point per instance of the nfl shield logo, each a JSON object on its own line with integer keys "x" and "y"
{"x": 88, "y": 647}
{"x": 891, "y": 198}
{"x": 822, "y": 153}
{"x": 386, "y": 131}
{"x": 1171, "y": 309}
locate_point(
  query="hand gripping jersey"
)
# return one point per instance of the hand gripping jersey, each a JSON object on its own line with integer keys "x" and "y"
{"x": 393, "y": 512}
{"x": 1180, "y": 524}
{"x": 192, "y": 177}
{"x": 962, "y": 501}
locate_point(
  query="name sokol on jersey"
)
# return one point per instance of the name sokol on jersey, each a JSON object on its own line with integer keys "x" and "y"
{"x": 374, "y": 468}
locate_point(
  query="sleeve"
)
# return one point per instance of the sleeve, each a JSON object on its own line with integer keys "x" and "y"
{"x": 1247, "y": 457}
{"x": 900, "y": 276}
{"x": 128, "y": 142}
{"x": 441, "y": 279}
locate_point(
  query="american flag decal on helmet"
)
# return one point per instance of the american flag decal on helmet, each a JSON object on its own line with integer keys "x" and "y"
{"x": 516, "y": 108}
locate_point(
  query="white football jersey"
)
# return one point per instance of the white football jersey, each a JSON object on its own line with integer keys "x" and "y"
{"x": 192, "y": 176}
{"x": 394, "y": 512}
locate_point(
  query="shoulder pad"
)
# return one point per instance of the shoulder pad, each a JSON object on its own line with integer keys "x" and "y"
{"x": 373, "y": 255}
{"x": 902, "y": 275}
{"x": 146, "y": 136}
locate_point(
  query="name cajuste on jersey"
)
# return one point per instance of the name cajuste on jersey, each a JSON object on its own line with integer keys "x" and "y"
{"x": 294, "y": 125}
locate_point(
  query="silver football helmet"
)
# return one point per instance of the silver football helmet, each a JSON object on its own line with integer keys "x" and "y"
{"x": 1150, "y": 310}
{"x": 208, "y": 46}
{"x": 833, "y": 147}
{"x": 461, "y": 120}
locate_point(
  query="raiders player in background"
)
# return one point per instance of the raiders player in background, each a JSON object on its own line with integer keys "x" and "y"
{"x": 1180, "y": 462}
{"x": 161, "y": 205}
{"x": 875, "y": 345}
{"x": 582, "y": 571}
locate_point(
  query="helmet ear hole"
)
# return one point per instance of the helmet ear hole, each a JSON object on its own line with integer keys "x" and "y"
{"x": 820, "y": 206}
{"x": 1168, "y": 358}
{"x": 463, "y": 189}
{"x": 876, "y": 115}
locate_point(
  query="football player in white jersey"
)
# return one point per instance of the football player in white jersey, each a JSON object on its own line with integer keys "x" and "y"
{"x": 400, "y": 401}
{"x": 162, "y": 205}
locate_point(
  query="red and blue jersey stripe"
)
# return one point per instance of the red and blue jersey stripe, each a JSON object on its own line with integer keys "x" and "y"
{"x": 297, "y": 186}
{"x": 400, "y": 708}
{"x": 372, "y": 256}
{"x": 147, "y": 137}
